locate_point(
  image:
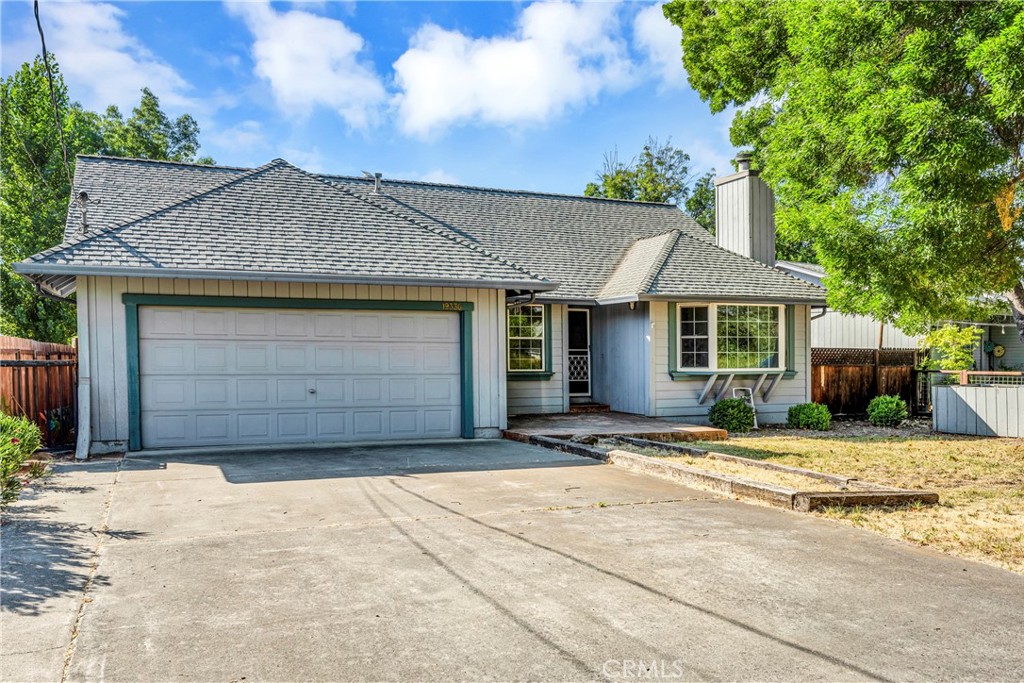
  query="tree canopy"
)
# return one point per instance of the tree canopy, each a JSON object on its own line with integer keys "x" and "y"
{"x": 35, "y": 187}
{"x": 701, "y": 202}
{"x": 660, "y": 173}
{"x": 892, "y": 135}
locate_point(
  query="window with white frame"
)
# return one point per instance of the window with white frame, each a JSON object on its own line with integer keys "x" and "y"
{"x": 730, "y": 337}
{"x": 526, "y": 338}
{"x": 694, "y": 337}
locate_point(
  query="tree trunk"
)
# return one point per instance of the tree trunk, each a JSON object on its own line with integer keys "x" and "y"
{"x": 1016, "y": 298}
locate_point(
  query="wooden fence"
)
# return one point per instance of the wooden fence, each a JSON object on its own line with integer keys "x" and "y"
{"x": 846, "y": 380}
{"x": 38, "y": 380}
{"x": 985, "y": 406}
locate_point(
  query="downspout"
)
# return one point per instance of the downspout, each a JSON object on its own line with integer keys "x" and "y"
{"x": 84, "y": 375}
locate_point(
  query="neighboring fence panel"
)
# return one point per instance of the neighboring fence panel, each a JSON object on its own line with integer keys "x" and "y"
{"x": 978, "y": 409}
{"x": 38, "y": 380}
{"x": 846, "y": 380}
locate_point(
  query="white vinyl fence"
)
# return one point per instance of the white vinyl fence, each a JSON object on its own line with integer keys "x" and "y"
{"x": 992, "y": 410}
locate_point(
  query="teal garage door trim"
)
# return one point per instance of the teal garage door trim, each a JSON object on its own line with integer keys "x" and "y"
{"x": 132, "y": 302}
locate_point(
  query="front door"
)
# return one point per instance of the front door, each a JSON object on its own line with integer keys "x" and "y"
{"x": 579, "y": 352}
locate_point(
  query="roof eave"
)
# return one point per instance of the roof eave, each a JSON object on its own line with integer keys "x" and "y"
{"x": 29, "y": 270}
{"x": 799, "y": 301}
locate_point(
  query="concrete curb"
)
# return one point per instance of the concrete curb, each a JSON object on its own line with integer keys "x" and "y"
{"x": 778, "y": 496}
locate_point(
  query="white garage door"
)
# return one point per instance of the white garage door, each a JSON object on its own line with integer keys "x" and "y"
{"x": 219, "y": 376}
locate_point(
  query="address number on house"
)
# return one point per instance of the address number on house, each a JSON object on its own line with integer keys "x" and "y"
{"x": 451, "y": 306}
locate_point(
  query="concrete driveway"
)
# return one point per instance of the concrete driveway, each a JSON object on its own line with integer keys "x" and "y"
{"x": 471, "y": 561}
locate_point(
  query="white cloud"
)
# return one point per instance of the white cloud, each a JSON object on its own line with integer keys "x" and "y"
{"x": 102, "y": 63}
{"x": 311, "y": 61}
{"x": 660, "y": 40}
{"x": 244, "y": 136}
{"x": 560, "y": 55}
{"x": 706, "y": 155}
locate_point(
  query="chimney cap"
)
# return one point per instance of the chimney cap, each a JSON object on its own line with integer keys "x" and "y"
{"x": 743, "y": 160}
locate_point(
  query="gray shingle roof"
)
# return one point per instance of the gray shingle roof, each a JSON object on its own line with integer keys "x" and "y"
{"x": 639, "y": 266}
{"x": 278, "y": 219}
{"x": 592, "y": 248}
{"x": 580, "y": 238}
{"x": 697, "y": 270}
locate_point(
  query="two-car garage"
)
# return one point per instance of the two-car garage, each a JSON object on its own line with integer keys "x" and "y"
{"x": 211, "y": 376}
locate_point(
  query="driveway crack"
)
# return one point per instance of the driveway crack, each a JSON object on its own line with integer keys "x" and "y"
{"x": 90, "y": 580}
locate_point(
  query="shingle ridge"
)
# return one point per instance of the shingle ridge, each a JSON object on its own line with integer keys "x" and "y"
{"x": 659, "y": 263}
{"x": 498, "y": 190}
{"x": 443, "y": 232}
{"x": 162, "y": 162}
{"x": 102, "y": 232}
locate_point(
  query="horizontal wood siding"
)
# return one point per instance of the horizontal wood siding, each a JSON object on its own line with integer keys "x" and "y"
{"x": 108, "y": 367}
{"x": 980, "y": 410}
{"x": 619, "y": 351}
{"x": 1008, "y": 338}
{"x": 548, "y": 395}
{"x": 672, "y": 398}
{"x": 838, "y": 331}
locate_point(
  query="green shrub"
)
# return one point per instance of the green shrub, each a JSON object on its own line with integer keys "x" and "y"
{"x": 887, "y": 411}
{"x": 809, "y": 416}
{"x": 732, "y": 415}
{"x": 19, "y": 439}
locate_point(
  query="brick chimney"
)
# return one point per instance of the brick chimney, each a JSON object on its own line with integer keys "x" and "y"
{"x": 745, "y": 213}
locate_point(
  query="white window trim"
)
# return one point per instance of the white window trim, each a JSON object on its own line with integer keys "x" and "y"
{"x": 542, "y": 338}
{"x": 713, "y": 338}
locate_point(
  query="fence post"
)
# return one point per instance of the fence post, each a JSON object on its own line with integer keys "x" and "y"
{"x": 878, "y": 371}
{"x": 964, "y": 380}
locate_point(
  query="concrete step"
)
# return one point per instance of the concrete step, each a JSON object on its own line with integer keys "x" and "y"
{"x": 577, "y": 408}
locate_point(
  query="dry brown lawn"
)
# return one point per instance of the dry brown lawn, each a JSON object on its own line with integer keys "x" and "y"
{"x": 980, "y": 482}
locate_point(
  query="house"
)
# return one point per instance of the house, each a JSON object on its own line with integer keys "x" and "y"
{"x": 1000, "y": 347}
{"x": 225, "y": 306}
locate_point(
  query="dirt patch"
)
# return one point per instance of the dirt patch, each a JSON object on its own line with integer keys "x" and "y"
{"x": 980, "y": 482}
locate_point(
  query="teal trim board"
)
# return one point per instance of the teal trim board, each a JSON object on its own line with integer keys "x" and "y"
{"x": 133, "y": 301}
{"x": 790, "y": 340}
{"x": 131, "y": 325}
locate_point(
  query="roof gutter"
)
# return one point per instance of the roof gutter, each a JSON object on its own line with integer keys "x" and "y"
{"x": 28, "y": 270}
{"x": 732, "y": 299}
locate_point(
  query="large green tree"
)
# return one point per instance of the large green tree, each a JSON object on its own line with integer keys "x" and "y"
{"x": 35, "y": 186}
{"x": 150, "y": 134}
{"x": 892, "y": 134}
{"x": 701, "y": 202}
{"x": 660, "y": 173}
{"x": 34, "y": 193}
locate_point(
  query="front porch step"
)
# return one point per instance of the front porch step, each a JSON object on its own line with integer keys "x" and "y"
{"x": 589, "y": 408}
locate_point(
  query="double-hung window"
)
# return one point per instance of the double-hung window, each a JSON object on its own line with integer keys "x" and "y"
{"x": 730, "y": 337}
{"x": 526, "y": 342}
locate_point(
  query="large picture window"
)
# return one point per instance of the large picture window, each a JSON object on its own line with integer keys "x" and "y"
{"x": 526, "y": 331}
{"x": 730, "y": 337}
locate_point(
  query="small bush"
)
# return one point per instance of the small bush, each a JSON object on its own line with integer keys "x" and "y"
{"x": 19, "y": 439}
{"x": 809, "y": 416}
{"x": 887, "y": 411}
{"x": 732, "y": 415}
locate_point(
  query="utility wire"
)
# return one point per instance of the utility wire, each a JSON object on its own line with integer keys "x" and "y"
{"x": 53, "y": 94}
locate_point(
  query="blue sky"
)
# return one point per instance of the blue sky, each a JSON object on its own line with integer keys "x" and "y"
{"x": 515, "y": 95}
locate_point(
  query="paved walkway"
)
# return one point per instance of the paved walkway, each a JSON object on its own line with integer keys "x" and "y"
{"x": 485, "y": 560}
